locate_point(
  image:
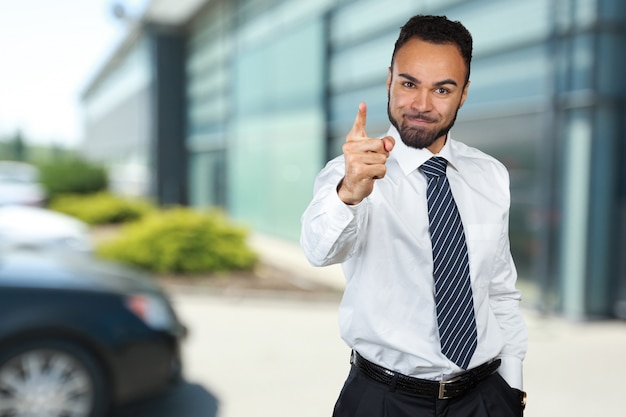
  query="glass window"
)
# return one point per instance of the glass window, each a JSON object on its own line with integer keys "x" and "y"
{"x": 516, "y": 74}
{"x": 270, "y": 23}
{"x": 576, "y": 152}
{"x": 204, "y": 114}
{"x": 209, "y": 60}
{"x": 208, "y": 179}
{"x": 282, "y": 74}
{"x": 361, "y": 19}
{"x": 277, "y": 135}
{"x": 503, "y": 23}
{"x": 518, "y": 147}
{"x": 575, "y": 58}
{"x": 582, "y": 62}
{"x": 364, "y": 63}
{"x": 126, "y": 79}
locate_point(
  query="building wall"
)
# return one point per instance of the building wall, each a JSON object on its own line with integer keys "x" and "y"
{"x": 117, "y": 121}
{"x": 210, "y": 48}
{"x": 135, "y": 112}
{"x": 277, "y": 134}
{"x": 169, "y": 110}
{"x": 607, "y": 241}
{"x": 539, "y": 101}
{"x": 615, "y": 9}
{"x": 256, "y": 120}
{"x": 272, "y": 88}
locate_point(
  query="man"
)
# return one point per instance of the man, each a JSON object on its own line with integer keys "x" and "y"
{"x": 420, "y": 225}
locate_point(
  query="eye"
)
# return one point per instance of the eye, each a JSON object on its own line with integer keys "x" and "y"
{"x": 408, "y": 84}
{"x": 442, "y": 91}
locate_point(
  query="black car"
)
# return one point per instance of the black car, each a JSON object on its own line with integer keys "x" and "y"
{"x": 79, "y": 336}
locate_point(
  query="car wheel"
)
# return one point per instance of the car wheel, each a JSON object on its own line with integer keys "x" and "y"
{"x": 50, "y": 378}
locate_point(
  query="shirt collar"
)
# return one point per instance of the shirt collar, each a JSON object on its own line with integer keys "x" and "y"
{"x": 411, "y": 159}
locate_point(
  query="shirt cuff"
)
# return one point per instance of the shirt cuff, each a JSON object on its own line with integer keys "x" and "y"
{"x": 511, "y": 370}
{"x": 342, "y": 210}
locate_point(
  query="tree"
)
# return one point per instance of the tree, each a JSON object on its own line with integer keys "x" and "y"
{"x": 19, "y": 147}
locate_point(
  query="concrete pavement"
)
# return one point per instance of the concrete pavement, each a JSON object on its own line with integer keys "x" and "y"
{"x": 289, "y": 257}
{"x": 264, "y": 357}
{"x": 278, "y": 356}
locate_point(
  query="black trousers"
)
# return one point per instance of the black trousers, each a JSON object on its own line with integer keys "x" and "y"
{"x": 364, "y": 397}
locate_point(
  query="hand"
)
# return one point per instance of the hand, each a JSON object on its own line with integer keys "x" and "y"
{"x": 365, "y": 161}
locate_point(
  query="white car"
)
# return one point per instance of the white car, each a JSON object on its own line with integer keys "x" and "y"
{"x": 39, "y": 228}
{"x": 19, "y": 184}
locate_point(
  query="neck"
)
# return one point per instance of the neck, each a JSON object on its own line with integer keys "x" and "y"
{"x": 438, "y": 145}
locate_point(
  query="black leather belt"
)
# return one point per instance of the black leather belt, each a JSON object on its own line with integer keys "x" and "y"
{"x": 443, "y": 390}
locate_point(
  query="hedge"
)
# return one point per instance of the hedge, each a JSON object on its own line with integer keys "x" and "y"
{"x": 72, "y": 176}
{"x": 102, "y": 207}
{"x": 181, "y": 240}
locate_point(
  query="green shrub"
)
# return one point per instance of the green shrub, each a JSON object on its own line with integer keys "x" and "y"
{"x": 72, "y": 176}
{"x": 102, "y": 207}
{"x": 181, "y": 240}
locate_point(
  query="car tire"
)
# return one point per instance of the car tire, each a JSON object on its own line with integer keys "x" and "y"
{"x": 51, "y": 377}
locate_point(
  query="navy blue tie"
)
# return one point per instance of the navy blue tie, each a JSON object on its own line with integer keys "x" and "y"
{"x": 453, "y": 290}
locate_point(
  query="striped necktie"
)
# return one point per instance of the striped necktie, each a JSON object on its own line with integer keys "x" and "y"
{"x": 453, "y": 291}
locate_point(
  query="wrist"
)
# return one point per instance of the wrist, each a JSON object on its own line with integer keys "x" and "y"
{"x": 345, "y": 195}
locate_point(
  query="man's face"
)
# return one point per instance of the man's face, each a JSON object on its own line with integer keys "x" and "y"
{"x": 426, "y": 88}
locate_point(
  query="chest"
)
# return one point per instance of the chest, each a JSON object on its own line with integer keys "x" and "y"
{"x": 403, "y": 198}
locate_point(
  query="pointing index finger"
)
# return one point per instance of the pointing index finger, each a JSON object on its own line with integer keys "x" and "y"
{"x": 358, "y": 129}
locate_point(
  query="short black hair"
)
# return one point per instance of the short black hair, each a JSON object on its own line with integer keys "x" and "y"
{"x": 439, "y": 30}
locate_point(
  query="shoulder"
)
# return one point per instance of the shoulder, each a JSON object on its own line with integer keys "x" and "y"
{"x": 475, "y": 161}
{"x": 469, "y": 154}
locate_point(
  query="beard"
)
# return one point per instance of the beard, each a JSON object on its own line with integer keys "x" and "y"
{"x": 420, "y": 137}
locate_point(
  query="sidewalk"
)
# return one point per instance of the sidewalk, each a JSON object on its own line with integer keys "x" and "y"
{"x": 572, "y": 369}
{"x": 289, "y": 257}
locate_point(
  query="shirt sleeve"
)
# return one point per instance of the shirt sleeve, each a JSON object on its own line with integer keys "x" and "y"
{"x": 504, "y": 301}
{"x": 330, "y": 228}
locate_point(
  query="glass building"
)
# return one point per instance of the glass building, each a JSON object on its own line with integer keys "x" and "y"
{"x": 249, "y": 99}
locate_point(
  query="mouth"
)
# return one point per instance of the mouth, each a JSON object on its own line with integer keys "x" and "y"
{"x": 419, "y": 119}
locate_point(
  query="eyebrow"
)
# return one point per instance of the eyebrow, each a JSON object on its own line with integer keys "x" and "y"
{"x": 448, "y": 81}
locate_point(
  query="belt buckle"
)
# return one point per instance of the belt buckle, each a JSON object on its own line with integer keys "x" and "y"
{"x": 442, "y": 387}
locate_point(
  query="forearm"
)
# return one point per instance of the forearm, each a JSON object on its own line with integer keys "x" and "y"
{"x": 330, "y": 228}
{"x": 515, "y": 343}
{"x": 504, "y": 300}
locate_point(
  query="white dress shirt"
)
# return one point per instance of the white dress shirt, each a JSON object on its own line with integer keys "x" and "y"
{"x": 387, "y": 312}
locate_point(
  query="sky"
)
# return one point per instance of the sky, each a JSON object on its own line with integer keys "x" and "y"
{"x": 49, "y": 51}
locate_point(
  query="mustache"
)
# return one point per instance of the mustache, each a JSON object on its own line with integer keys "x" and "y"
{"x": 421, "y": 116}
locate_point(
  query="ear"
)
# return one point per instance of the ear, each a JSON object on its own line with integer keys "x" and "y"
{"x": 464, "y": 95}
{"x": 388, "y": 78}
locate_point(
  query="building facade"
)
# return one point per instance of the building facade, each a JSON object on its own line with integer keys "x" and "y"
{"x": 270, "y": 89}
{"x": 135, "y": 112}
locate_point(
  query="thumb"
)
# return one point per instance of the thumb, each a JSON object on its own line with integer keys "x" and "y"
{"x": 389, "y": 143}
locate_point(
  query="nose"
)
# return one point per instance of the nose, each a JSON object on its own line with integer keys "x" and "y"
{"x": 421, "y": 100}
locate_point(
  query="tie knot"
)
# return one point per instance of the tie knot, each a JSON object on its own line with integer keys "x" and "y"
{"x": 434, "y": 167}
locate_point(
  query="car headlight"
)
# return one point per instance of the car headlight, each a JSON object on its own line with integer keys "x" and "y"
{"x": 153, "y": 310}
